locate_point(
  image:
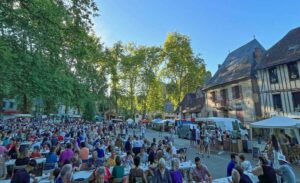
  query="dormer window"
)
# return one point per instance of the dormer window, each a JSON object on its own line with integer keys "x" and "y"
{"x": 293, "y": 70}
{"x": 293, "y": 49}
{"x": 273, "y": 75}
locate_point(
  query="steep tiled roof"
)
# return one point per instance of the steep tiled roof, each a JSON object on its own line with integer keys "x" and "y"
{"x": 284, "y": 51}
{"x": 239, "y": 64}
{"x": 191, "y": 102}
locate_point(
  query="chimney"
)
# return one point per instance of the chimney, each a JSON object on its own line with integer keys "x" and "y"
{"x": 257, "y": 54}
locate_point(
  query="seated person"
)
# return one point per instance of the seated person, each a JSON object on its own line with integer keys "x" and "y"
{"x": 264, "y": 171}
{"x": 200, "y": 172}
{"x": 84, "y": 152}
{"x": 247, "y": 167}
{"x": 111, "y": 160}
{"x": 52, "y": 157}
{"x": 143, "y": 156}
{"x": 12, "y": 149}
{"x": 168, "y": 154}
{"x": 243, "y": 177}
{"x": 176, "y": 174}
{"x": 98, "y": 175}
{"x": 162, "y": 174}
{"x": 54, "y": 174}
{"x": 232, "y": 163}
{"x": 3, "y": 168}
{"x": 94, "y": 161}
{"x": 128, "y": 159}
{"x": 66, "y": 174}
{"x": 23, "y": 157}
{"x": 46, "y": 147}
{"x": 76, "y": 161}
{"x": 99, "y": 150}
{"x": 22, "y": 175}
{"x": 119, "y": 143}
{"x": 136, "y": 172}
{"x": 36, "y": 152}
{"x": 118, "y": 170}
{"x": 182, "y": 155}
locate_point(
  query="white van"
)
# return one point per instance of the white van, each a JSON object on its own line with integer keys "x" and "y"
{"x": 228, "y": 124}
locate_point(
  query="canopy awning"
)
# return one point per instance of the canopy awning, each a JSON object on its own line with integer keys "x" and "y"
{"x": 157, "y": 120}
{"x": 276, "y": 122}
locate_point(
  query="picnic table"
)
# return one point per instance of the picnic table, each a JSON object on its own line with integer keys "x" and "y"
{"x": 86, "y": 174}
{"x": 222, "y": 180}
{"x": 11, "y": 162}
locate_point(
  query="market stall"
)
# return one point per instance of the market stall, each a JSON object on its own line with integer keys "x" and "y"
{"x": 274, "y": 124}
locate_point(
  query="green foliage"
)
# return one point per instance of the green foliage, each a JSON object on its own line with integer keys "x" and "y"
{"x": 89, "y": 111}
{"x": 48, "y": 51}
{"x": 183, "y": 71}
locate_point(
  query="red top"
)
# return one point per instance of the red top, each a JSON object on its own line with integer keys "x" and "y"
{"x": 35, "y": 154}
{"x": 60, "y": 138}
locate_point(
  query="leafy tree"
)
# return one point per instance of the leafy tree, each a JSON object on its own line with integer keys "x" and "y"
{"x": 89, "y": 111}
{"x": 182, "y": 70}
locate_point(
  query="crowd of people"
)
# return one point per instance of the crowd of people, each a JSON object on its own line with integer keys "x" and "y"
{"x": 110, "y": 154}
{"x": 104, "y": 149}
{"x": 266, "y": 170}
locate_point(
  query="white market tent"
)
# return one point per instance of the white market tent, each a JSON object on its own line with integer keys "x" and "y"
{"x": 158, "y": 121}
{"x": 171, "y": 121}
{"x": 276, "y": 122}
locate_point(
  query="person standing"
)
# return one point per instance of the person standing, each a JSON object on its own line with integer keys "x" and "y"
{"x": 198, "y": 139}
{"x": 283, "y": 141}
{"x": 276, "y": 151}
{"x": 143, "y": 130}
{"x": 207, "y": 142}
{"x": 193, "y": 136}
{"x": 190, "y": 137}
{"x": 220, "y": 140}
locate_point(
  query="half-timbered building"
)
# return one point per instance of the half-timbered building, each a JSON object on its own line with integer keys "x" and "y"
{"x": 278, "y": 77}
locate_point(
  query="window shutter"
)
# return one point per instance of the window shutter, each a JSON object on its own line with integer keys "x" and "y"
{"x": 233, "y": 92}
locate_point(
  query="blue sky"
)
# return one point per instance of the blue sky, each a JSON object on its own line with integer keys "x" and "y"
{"x": 214, "y": 26}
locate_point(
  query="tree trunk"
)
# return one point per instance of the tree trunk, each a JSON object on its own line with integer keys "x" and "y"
{"x": 25, "y": 104}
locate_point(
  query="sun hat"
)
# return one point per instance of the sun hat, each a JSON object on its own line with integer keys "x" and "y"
{"x": 281, "y": 157}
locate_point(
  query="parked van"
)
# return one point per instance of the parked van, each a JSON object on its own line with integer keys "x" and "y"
{"x": 183, "y": 130}
{"x": 229, "y": 124}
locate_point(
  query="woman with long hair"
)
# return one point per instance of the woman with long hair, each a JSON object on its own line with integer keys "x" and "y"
{"x": 276, "y": 151}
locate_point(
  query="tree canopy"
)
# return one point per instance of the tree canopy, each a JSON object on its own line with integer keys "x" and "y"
{"x": 48, "y": 51}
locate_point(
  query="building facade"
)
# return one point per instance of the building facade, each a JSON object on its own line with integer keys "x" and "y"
{"x": 278, "y": 77}
{"x": 192, "y": 105}
{"x": 232, "y": 91}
